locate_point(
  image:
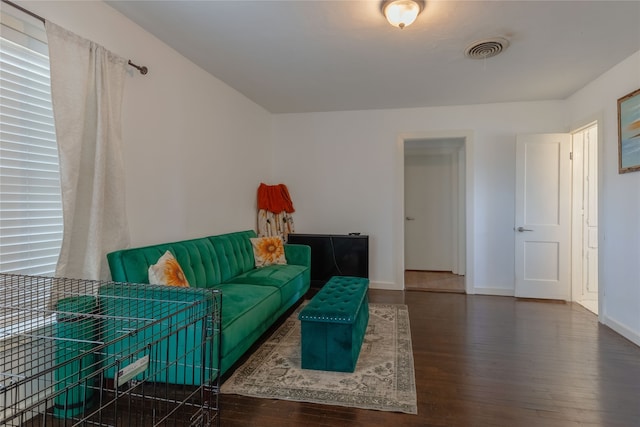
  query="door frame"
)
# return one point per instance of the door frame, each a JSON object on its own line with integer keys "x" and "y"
{"x": 399, "y": 214}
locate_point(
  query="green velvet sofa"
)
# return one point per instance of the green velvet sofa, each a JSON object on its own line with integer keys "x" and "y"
{"x": 252, "y": 298}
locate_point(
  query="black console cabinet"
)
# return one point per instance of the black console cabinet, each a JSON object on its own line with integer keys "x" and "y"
{"x": 335, "y": 255}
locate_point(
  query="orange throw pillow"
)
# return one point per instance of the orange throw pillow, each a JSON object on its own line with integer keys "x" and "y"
{"x": 268, "y": 251}
{"x": 167, "y": 271}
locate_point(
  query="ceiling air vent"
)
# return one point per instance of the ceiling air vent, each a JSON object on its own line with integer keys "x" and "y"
{"x": 483, "y": 49}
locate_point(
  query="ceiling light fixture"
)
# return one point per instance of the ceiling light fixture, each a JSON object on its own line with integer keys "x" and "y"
{"x": 402, "y": 13}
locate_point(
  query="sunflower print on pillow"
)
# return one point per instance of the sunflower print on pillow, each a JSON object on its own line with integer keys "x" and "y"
{"x": 268, "y": 251}
{"x": 168, "y": 272}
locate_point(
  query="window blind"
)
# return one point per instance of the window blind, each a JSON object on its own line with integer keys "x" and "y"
{"x": 30, "y": 200}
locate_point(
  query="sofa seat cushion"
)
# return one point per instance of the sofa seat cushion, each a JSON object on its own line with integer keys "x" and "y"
{"x": 288, "y": 279}
{"x": 245, "y": 308}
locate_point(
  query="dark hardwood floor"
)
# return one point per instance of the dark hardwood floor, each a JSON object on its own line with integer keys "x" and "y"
{"x": 489, "y": 361}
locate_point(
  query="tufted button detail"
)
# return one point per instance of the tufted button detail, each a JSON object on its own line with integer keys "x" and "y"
{"x": 338, "y": 301}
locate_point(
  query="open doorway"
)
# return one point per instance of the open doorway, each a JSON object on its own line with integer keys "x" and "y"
{"x": 434, "y": 221}
{"x": 584, "y": 258}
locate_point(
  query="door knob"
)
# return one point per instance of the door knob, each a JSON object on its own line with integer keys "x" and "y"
{"x": 410, "y": 218}
{"x": 521, "y": 229}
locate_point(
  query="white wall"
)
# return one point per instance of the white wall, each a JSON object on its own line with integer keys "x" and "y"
{"x": 619, "y": 204}
{"x": 342, "y": 169}
{"x": 194, "y": 148}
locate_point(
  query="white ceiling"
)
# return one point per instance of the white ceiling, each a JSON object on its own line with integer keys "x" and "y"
{"x": 309, "y": 55}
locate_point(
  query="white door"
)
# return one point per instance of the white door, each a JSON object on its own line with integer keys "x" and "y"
{"x": 415, "y": 203}
{"x": 428, "y": 212}
{"x": 543, "y": 216}
{"x": 584, "y": 274}
{"x": 590, "y": 230}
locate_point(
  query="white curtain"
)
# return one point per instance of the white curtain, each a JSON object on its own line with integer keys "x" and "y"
{"x": 87, "y": 83}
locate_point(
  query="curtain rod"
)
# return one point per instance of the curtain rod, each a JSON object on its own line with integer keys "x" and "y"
{"x": 142, "y": 69}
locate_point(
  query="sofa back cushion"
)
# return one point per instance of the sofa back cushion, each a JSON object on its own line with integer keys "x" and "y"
{"x": 234, "y": 254}
{"x": 206, "y": 262}
{"x": 194, "y": 256}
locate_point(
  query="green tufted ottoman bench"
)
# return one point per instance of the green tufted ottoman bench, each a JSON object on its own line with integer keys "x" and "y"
{"x": 334, "y": 323}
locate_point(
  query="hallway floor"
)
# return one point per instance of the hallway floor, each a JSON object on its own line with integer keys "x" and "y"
{"x": 433, "y": 281}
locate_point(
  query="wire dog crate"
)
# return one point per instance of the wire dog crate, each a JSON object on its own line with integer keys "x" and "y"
{"x": 81, "y": 352}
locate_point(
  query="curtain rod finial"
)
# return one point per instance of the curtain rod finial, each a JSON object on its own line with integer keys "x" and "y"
{"x": 143, "y": 69}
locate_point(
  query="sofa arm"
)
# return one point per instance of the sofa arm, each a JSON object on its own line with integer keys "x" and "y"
{"x": 298, "y": 254}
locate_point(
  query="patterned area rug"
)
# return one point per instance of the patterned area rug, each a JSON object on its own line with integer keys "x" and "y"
{"x": 384, "y": 378}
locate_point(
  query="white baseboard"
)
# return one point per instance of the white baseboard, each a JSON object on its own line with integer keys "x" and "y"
{"x": 389, "y": 286}
{"x": 623, "y": 330}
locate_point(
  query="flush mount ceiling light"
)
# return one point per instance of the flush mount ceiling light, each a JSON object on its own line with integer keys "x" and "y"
{"x": 402, "y": 13}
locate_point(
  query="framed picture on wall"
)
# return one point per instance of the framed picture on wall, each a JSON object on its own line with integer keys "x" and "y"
{"x": 629, "y": 132}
